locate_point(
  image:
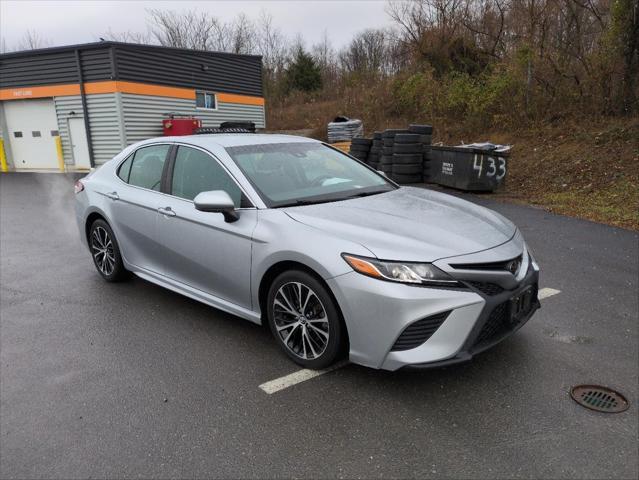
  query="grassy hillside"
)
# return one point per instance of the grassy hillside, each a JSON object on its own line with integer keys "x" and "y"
{"x": 588, "y": 169}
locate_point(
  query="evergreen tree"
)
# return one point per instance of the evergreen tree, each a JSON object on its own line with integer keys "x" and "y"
{"x": 303, "y": 73}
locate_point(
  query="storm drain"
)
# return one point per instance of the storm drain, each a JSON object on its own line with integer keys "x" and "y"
{"x": 601, "y": 399}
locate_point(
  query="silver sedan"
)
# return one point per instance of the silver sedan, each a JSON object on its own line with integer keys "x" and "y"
{"x": 334, "y": 257}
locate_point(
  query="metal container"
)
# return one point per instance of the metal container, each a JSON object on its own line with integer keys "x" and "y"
{"x": 178, "y": 126}
{"x": 468, "y": 168}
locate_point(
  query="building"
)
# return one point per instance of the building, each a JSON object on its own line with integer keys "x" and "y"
{"x": 77, "y": 106}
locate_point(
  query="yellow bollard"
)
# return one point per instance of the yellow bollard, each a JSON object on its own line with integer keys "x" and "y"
{"x": 58, "y": 147}
{"x": 3, "y": 157}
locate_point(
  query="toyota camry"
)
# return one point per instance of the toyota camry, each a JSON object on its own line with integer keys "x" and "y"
{"x": 334, "y": 257}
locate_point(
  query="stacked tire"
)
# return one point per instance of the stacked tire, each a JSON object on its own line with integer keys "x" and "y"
{"x": 375, "y": 154}
{"x": 360, "y": 148}
{"x": 386, "y": 160}
{"x": 407, "y": 158}
{"x": 425, "y": 133}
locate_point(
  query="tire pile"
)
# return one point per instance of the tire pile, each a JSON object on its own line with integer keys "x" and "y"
{"x": 425, "y": 133}
{"x": 403, "y": 155}
{"x": 375, "y": 154}
{"x": 360, "y": 148}
{"x": 386, "y": 160}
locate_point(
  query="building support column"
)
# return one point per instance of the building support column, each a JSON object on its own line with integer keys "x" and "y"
{"x": 84, "y": 107}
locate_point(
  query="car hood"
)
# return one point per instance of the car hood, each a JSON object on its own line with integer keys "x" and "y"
{"x": 410, "y": 224}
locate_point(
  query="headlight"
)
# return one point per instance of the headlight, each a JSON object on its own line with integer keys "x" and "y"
{"x": 402, "y": 272}
{"x": 532, "y": 258}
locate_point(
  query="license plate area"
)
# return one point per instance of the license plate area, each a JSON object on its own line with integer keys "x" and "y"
{"x": 521, "y": 303}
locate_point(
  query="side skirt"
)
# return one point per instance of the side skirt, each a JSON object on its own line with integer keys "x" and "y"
{"x": 198, "y": 295}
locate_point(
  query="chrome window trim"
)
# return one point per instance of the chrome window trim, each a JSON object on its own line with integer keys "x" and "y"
{"x": 119, "y": 164}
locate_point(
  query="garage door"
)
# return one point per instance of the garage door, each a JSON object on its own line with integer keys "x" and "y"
{"x": 32, "y": 126}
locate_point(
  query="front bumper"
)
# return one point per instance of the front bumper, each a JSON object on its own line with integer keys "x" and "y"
{"x": 377, "y": 314}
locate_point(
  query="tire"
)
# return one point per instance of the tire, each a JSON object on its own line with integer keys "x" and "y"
{"x": 361, "y": 141}
{"x": 426, "y": 139}
{"x": 307, "y": 346}
{"x": 360, "y": 151}
{"x": 420, "y": 129}
{"x": 386, "y": 160}
{"x": 407, "y": 138}
{"x": 415, "y": 169}
{"x": 388, "y": 142}
{"x": 387, "y": 150}
{"x": 377, "y": 135}
{"x": 404, "y": 179}
{"x": 387, "y": 168}
{"x": 407, "y": 158}
{"x": 391, "y": 132}
{"x": 408, "y": 148}
{"x": 105, "y": 252}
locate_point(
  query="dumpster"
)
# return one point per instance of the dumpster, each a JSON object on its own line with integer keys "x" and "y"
{"x": 474, "y": 167}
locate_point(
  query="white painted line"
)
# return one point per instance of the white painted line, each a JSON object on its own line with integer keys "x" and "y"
{"x": 294, "y": 378}
{"x": 547, "y": 292}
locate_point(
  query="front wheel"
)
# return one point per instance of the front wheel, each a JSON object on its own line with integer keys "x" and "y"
{"x": 305, "y": 320}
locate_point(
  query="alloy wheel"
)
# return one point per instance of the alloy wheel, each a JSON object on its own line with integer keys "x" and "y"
{"x": 102, "y": 249}
{"x": 300, "y": 320}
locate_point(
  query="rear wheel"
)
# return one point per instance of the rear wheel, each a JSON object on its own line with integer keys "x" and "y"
{"x": 305, "y": 320}
{"x": 106, "y": 252}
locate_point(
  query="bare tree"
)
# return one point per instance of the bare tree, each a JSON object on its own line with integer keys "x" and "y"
{"x": 189, "y": 29}
{"x": 32, "y": 40}
{"x": 128, "y": 37}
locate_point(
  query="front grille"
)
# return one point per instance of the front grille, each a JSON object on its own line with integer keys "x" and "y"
{"x": 487, "y": 288}
{"x": 502, "y": 265}
{"x": 499, "y": 322}
{"x": 420, "y": 331}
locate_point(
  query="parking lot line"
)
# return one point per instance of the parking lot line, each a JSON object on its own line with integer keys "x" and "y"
{"x": 274, "y": 386}
{"x": 547, "y": 292}
{"x": 294, "y": 378}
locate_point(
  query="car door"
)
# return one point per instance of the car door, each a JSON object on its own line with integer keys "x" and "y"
{"x": 134, "y": 204}
{"x": 201, "y": 249}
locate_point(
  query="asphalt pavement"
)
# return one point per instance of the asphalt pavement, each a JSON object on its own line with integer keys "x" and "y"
{"x": 132, "y": 380}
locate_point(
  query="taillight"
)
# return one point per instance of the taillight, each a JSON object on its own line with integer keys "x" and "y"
{"x": 78, "y": 187}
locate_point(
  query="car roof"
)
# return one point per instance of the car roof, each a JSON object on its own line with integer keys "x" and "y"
{"x": 236, "y": 139}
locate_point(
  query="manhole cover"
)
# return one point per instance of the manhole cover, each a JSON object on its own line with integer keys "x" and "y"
{"x": 601, "y": 399}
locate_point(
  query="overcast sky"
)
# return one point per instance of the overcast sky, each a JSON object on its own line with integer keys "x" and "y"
{"x": 68, "y": 22}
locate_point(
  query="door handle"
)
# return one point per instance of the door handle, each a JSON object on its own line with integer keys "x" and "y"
{"x": 167, "y": 212}
{"x": 112, "y": 195}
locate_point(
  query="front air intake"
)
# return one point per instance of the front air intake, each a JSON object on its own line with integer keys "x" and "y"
{"x": 418, "y": 332}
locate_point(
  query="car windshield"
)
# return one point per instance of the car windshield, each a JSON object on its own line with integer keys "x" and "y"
{"x": 287, "y": 174}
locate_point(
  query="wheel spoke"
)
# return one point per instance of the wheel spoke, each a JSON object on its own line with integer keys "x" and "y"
{"x": 318, "y": 330}
{"x": 288, "y": 302}
{"x": 310, "y": 342}
{"x": 284, "y": 307}
{"x": 285, "y": 326}
{"x": 322, "y": 319}
{"x": 291, "y": 333}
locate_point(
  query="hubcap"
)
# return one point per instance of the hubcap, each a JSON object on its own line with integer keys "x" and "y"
{"x": 300, "y": 320}
{"x": 102, "y": 248}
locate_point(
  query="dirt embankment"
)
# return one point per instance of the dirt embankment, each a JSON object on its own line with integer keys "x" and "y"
{"x": 587, "y": 169}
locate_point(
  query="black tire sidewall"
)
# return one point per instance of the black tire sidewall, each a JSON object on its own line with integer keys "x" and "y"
{"x": 119, "y": 272}
{"x": 335, "y": 325}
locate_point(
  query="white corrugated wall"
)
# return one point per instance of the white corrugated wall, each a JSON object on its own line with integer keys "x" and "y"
{"x": 143, "y": 114}
{"x": 103, "y": 123}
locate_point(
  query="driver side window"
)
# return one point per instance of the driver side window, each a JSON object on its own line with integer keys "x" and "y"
{"x": 147, "y": 166}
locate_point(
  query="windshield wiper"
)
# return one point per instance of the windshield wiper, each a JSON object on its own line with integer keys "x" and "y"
{"x": 365, "y": 194}
{"x": 298, "y": 203}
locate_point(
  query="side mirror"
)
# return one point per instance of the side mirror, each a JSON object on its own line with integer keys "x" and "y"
{"x": 217, "y": 201}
